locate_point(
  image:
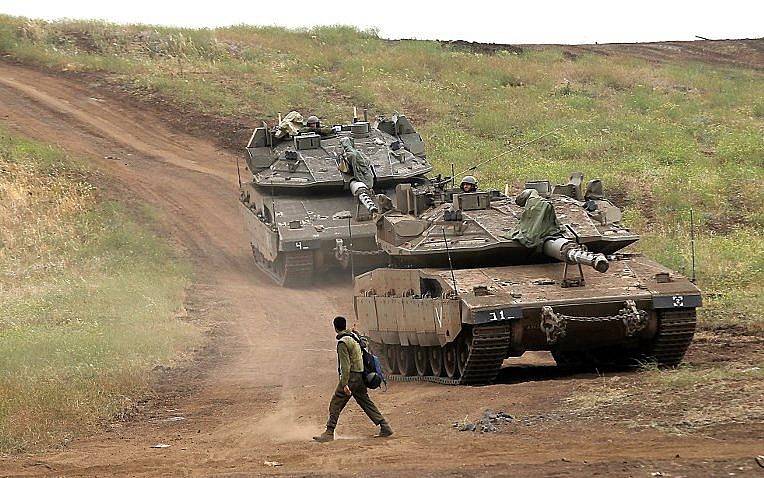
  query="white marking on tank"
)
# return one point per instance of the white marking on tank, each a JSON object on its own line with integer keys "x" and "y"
{"x": 439, "y": 314}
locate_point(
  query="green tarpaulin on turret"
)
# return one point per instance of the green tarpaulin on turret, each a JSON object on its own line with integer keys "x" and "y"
{"x": 355, "y": 163}
{"x": 537, "y": 224}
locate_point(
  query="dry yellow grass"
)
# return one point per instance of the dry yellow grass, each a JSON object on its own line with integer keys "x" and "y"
{"x": 88, "y": 301}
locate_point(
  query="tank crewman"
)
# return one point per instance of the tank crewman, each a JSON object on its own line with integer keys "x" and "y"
{"x": 350, "y": 369}
{"x": 469, "y": 184}
{"x": 313, "y": 125}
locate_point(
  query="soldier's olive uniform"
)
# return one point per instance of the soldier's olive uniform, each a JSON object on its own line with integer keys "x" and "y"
{"x": 350, "y": 365}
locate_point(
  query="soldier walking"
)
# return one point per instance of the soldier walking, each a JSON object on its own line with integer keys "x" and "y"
{"x": 350, "y": 369}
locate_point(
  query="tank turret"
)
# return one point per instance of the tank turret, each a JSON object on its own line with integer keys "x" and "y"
{"x": 489, "y": 228}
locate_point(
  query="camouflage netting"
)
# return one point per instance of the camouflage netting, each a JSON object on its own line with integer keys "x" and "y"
{"x": 290, "y": 125}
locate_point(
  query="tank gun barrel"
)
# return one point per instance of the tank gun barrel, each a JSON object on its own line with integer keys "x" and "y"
{"x": 568, "y": 251}
{"x": 361, "y": 191}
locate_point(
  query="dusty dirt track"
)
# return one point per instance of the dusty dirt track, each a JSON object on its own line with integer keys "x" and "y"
{"x": 263, "y": 392}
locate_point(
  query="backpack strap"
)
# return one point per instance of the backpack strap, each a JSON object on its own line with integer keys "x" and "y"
{"x": 355, "y": 337}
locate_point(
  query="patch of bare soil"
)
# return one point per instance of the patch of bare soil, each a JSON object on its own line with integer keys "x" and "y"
{"x": 747, "y": 53}
{"x": 256, "y": 398}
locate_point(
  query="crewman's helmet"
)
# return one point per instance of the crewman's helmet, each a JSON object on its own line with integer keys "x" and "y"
{"x": 471, "y": 181}
{"x": 373, "y": 380}
{"x": 313, "y": 122}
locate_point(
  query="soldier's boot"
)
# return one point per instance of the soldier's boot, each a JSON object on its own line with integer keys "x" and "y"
{"x": 328, "y": 435}
{"x": 384, "y": 430}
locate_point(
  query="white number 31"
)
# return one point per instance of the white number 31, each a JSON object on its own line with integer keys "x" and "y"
{"x": 496, "y": 315}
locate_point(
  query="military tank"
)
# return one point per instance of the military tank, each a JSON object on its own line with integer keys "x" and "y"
{"x": 309, "y": 203}
{"x": 478, "y": 277}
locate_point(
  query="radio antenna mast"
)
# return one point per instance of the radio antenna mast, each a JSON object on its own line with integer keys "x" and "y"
{"x": 450, "y": 264}
{"x": 512, "y": 148}
{"x": 238, "y": 171}
{"x": 350, "y": 249}
{"x": 692, "y": 245}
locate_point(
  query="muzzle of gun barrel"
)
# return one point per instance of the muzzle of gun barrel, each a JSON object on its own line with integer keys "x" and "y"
{"x": 360, "y": 191}
{"x": 568, "y": 251}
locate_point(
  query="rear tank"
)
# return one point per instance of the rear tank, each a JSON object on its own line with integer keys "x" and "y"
{"x": 313, "y": 191}
{"x": 478, "y": 277}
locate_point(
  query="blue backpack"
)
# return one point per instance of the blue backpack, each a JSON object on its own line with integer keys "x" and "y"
{"x": 373, "y": 376}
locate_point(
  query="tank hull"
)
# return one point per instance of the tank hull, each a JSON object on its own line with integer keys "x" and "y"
{"x": 460, "y": 334}
{"x": 294, "y": 237}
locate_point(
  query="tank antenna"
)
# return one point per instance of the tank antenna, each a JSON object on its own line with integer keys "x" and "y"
{"x": 692, "y": 245}
{"x": 273, "y": 202}
{"x": 453, "y": 183}
{"x": 350, "y": 238}
{"x": 450, "y": 264}
{"x": 238, "y": 171}
{"x": 512, "y": 148}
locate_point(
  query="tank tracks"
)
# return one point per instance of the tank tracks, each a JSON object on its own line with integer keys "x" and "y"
{"x": 487, "y": 350}
{"x": 291, "y": 269}
{"x": 673, "y": 336}
{"x": 675, "y": 332}
{"x": 489, "y": 345}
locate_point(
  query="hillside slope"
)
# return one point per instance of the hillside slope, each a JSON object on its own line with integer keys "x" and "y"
{"x": 259, "y": 392}
{"x": 665, "y": 136}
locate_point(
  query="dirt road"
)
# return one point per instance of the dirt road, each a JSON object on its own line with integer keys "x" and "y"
{"x": 264, "y": 391}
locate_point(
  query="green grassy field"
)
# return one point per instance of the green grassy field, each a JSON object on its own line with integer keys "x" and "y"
{"x": 89, "y": 301}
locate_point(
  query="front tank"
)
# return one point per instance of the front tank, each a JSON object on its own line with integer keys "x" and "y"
{"x": 471, "y": 285}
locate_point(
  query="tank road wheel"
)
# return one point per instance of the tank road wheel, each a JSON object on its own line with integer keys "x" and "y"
{"x": 450, "y": 360}
{"x": 463, "y": 346}
{"x": 406, "y": 364}
{"x": 391, "y": 357}
{"x": 436, "y": 360}
{"x": 422, "y": 361}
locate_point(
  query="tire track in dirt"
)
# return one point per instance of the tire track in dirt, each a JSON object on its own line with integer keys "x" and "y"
{"x": 267, "y": 392}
